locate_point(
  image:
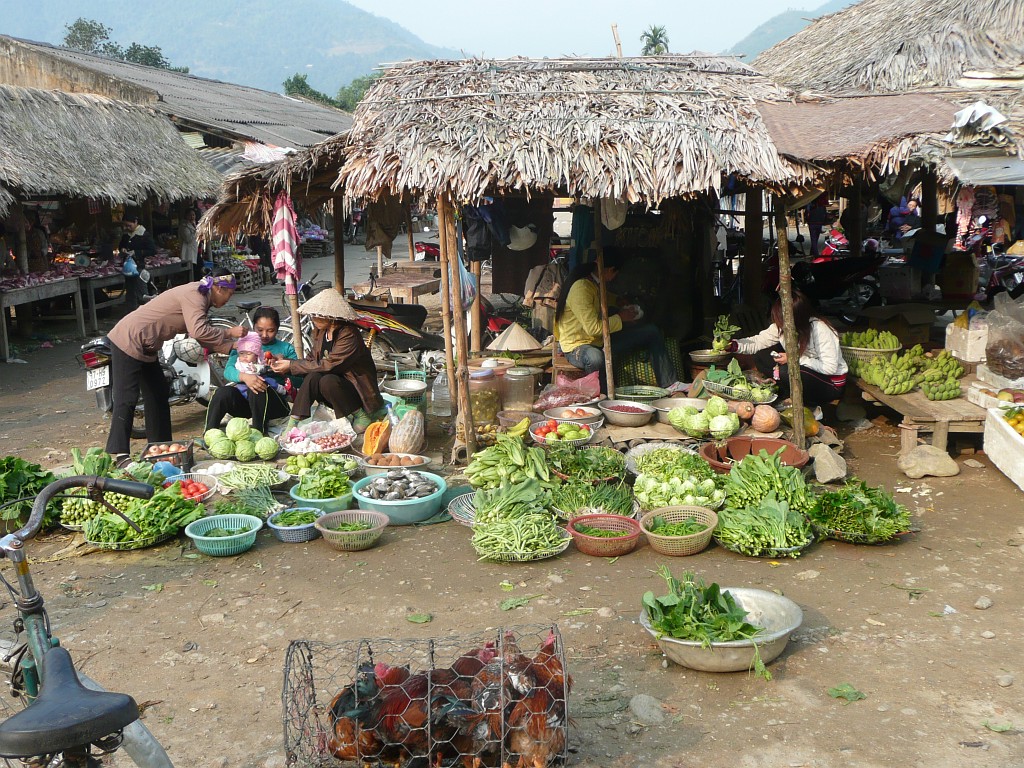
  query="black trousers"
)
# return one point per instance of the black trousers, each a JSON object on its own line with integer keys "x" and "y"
{"x": 818, "y": 388}
{"x": 129, "y": 377}
{"x": 327, "y": 388}
{"x": 261, "y": 407}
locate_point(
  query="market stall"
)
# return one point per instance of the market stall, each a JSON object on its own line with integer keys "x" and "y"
{"x": 15, "y": 297}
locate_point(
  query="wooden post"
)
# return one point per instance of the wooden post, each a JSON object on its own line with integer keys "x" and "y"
{"x": 618, "y": 43}
{"x": 856, "y": 233}
{"x": 753, "y": 242}
{"x": 408, "y": 229}
{"x": 796, "y": 388}
{"x": 339, "y": 244}
{"x": 293, "y": 302}
{"x": 380, "y": 262}
{"x": 929, "y": 202}
{"x": 475, "y": 330}
{"x": 461, "y": 337}
{"x": 446, "y": 307}
{"x": 606, "y": 333}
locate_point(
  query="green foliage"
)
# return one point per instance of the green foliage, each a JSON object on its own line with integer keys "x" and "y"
{"x": 18, "y": 479}
{"x": 350, "y": 95}
{"x": 297, "y": 85}
{"x": 655, "y": 40}
{"x": 93, "y": 37}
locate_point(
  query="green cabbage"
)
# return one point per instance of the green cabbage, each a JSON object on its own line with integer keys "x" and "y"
{"x": 237, "y": 429}
{"x": 213, "y": 435}
{"x": 222, "y": 448}
{"x": 716, "y": 407}
{"x": 255, "y": 435}
{"x": 245, "y": 450}
{"x": 266, "y": 448}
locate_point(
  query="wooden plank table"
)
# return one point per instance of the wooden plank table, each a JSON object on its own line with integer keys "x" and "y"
{"x": 21, "y": 296}
{"x": 940, "y": 417}
{"x": 168, "y": 271}
{"x": 404, "y": 287}
{"x": 92, "y": 284}
{"x": 424, "y": 269}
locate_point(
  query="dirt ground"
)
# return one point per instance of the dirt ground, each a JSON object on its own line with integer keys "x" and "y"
{"x": 203, "y": 639}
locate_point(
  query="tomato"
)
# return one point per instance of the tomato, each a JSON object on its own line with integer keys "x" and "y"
{"x": 201, "y": 488}
{"x": 552, "y": 423}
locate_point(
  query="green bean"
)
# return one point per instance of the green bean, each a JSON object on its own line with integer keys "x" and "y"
{"x": 601, "y": 533}
{"x": 523, "y": 535}
{"x": 249, "y": 476}
{"x": 292, "y": 517}
{"x": 350, "y": 527}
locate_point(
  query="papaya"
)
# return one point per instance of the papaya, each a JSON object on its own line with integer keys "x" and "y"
{"x": 811, "y": 426}
{"x": 375, "y": 440}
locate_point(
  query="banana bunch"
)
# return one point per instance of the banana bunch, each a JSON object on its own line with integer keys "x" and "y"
{"x": 507, "y": 461}
{"x": 870, "y": 339}
{"x": 945, "y": 363}
{"x": 891, "y": 375}
{"x": 520, "y": 429}
{"x": 948, "y": 389}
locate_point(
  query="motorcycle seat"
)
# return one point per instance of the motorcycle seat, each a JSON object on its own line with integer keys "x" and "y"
{"x": 249, "y": 306}
{"x": 66, "y": 714}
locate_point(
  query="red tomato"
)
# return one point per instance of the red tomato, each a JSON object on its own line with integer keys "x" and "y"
{"x": 552, "y": 423}
{"x": 201, "y": 488}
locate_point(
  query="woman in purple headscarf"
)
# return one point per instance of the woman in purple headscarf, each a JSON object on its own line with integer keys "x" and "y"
{"x": 136, "y": 341}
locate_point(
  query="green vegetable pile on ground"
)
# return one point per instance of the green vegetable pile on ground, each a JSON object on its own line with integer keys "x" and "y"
{"x": 257, "y": 501}
{"x": 250, "y": 476}
{"x": 764, "y": 530}
{"x": 166, "y": 513}
{"x": 76, "y": 511}
{"x": 326, "y": 481}
{"x": 293, "y": 517}
{"x": 700, "y": 613}
{"x": 20, "y": 479}
{"x": 513, "y": 519}
{"x": 860, "y": 513}
{"x": 671, "y": 478}
{"x": 590, "y": 463}
{"x": 749, "y": 481}
{"x": 572, "y": 496}
{"x": 507, "y": 461}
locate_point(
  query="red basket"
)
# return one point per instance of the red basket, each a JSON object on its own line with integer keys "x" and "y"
{"x": 599, "y": 546}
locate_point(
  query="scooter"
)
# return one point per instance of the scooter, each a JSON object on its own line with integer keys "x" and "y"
{"x": 184, "y": 363}
{"x": 839, "y": 286}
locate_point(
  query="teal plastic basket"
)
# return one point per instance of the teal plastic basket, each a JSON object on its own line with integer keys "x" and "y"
{"x": 224, "y": 546}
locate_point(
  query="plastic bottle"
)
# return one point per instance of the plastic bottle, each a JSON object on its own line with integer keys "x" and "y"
{"x": 440, "y": 396}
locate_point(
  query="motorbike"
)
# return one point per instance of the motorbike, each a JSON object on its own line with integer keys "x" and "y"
{"x": 838, "y": 286}
{"x": 997, "y": 271}
{"x": 352, "y": 230}
{"x": 184, "y": 363}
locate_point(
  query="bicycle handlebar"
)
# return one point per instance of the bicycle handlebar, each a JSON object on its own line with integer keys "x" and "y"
{"x": 124, "y": 487}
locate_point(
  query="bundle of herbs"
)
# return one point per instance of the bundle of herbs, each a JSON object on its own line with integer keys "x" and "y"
{"x": 772, "y": 528}
{"x": 860, "y": 514}
{"x": 570, "y": 497}
{"x": 700, "y": 613}
{"x": 593, "y": 463}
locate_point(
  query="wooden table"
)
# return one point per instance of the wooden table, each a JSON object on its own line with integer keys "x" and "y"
{"x": 404, "y": 287}
{"x": 92, "y": 284}
{"x": 21, "y": 296}
{"x": 168, "y": 270}
{"x": 940, "y": 417}
{"x": 424, "y": 269}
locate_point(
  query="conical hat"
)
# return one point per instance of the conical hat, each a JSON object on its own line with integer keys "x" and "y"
{"x": 514, "y": 339}
{"x": 329, "y": 303}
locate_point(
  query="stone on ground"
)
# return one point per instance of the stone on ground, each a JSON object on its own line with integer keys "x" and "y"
{"x": 647, "y": 709}
{"x": 927, "y": 460}
{"x": 829, "y": 466}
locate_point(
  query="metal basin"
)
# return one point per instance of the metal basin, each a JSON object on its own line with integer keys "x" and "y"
{"x": 779, "y": 616}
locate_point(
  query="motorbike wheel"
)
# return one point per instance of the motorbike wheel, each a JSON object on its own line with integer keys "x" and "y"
{"x": 860, "y": 295}
{"x": 379, "y": 351}
{"x": 284, "y": 333}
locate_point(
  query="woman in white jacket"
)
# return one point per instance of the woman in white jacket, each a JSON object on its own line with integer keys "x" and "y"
{"x": 822, "y": 367}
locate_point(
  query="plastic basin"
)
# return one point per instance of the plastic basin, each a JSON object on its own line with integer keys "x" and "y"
{"x": 224, "y": 546}
{"x": 721, "y": 456}
{"x": 336, "y": 504}
{"x": 408, "y": 511}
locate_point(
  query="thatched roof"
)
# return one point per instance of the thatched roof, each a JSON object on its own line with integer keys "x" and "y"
{"x": 639, "y": 129}
{"x": 887, "y": 46}
{"x": 246, "y": 199}
{"x": 54, "y": 143}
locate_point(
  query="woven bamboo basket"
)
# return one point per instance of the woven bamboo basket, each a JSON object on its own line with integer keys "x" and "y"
{"x": 680, "y": 546}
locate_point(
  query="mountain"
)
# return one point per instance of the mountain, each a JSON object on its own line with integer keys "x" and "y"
{"x": 781, "y": 26}
{"x": 258, "y": 43}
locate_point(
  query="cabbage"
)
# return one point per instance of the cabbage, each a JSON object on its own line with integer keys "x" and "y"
{"x": 245, "y": 450}
{"x": 255, "y": 435}
{"x": 213, "y": 435}
{"x": 676, "y": 416}
{"x": 720, "y": 425}
{"x": 734, "y": 419}
{"x": 716, "y": 407}
{"x": 266, "y": 448}
{"x": 223, "y": 448}
{"x": 237, "y": 429}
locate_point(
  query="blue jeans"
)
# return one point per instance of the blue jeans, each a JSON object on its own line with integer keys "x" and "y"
{"x": 646, "y": 336}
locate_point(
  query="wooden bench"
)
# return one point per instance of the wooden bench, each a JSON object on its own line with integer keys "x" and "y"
{"x": 559, "y": 364}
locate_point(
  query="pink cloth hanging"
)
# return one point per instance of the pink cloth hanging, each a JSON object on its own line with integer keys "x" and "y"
{"x": 285, "y": 244}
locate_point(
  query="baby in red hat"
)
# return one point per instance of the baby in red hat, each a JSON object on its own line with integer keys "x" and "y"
{"x": 250, "y": 349}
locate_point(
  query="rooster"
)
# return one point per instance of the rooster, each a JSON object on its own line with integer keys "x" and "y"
{"x": 537, "y": 724}
{"x": 348, "y": 737}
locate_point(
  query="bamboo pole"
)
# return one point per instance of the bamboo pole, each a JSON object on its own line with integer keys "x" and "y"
{"x": 753, "y": 242}
{"x": 380, "y": 262}
{"x": 461, "y": 337}
{"x": 618, "y": 42}
{"x": 446, "y": 306}
{"x": 606, "y": 333}
{"x": 408, "y": 229}
{"x": 338, "y": 210}
{"x": 789, "y": 335}
{"x": 475, "y": 330}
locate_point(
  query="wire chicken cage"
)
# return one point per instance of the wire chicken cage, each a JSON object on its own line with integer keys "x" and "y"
{"x": 478, "y": 701}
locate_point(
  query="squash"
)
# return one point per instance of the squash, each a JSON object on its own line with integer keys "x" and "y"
{"x": 408, "y": 435}
{"x": 811, "y": 426}
{"x": 375, "y": 440}
{"x": 765, "y": 419}
{"x": 742, "y": 408}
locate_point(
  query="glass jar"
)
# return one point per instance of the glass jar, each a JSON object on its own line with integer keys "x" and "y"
{"x": 518, "y": 386}
{"x": 484, "y": 397}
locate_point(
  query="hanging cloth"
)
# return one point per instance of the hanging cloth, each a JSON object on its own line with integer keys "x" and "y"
{"x": 384, "y": 218}
{"x": 285, "y": 243}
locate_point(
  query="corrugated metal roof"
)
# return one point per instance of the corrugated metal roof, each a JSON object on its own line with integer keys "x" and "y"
{"x": 270, "y": 118}
{"x": 829, "y": 130}
{"x": 225, "y": 160}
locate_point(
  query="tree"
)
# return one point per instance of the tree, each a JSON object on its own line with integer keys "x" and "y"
{"x": 350, "y": 95}
{"x": 655, "y": 40}
{"x": 296, "y": 85}
{"x": 93, "y": 37}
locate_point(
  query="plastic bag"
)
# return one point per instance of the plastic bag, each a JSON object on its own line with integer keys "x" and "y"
{"x": 1004, "y": 351}
{"x": 559, "y": 397}
{"x": 129, "y": 268}
{"x": 590, "y": 384}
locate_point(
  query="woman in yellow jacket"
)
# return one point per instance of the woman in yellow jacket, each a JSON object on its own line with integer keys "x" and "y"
{"x": 578, "y": 327}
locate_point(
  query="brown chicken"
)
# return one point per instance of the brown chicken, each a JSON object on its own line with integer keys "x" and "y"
{"x": 537, "y": 725}
{"x": 348, "y": 737}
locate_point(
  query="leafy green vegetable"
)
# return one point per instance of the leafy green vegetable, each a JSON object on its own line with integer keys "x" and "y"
{"x": 419, "y": 618}
{"x": 166, "y": 512}
{"x": 590, "y": 463}
{"x": 326, "y": 481}
{"x": 846, "y": 691}
{"x": 574, "y": 495}
{"x": 765, "y": 529}
{"x": 293, "y": 517}
{"x": 702, "y": 613}
{"x": 509, "y": 501}
{"x": 860, "y": 513}
{"x": 18, "y": 479}
{"x": 686, "y": 527}
{"x": 600, "y": 533}
{"x": 517, "y": 602}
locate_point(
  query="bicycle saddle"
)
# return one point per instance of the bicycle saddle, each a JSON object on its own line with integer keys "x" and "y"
{"x": 249, "y": 306}
{"x": 66, "y": 714}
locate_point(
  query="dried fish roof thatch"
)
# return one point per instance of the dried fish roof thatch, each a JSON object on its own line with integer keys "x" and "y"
{"x": 246, "y": 198}
{"x": 55, "y": 143}
{"x": 640, "y": 129}
{"x": 886, "y": 46}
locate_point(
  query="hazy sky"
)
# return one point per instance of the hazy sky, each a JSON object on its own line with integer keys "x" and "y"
{"x": 537, "y": 28}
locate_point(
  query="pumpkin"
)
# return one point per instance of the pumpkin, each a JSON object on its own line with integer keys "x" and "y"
{"x": 376, "y": 438}
{"x": 811, "y": 426}
{"x": 742, "y": 408}
{"x": 765, "y": 419}
{"x": 408, "y": 436}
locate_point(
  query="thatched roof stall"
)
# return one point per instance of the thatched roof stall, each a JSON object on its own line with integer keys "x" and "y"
{"x": 640, "y": 130}
{"x": 54, "y": 143}
{"x": 882, "y": 47}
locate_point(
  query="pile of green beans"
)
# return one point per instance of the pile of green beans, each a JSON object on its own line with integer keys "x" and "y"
{"x": 524, "y": 535}
{"x": 601, "y": 533}
{"x": 250, "y": 475}
{"x": 293, "y": 517}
